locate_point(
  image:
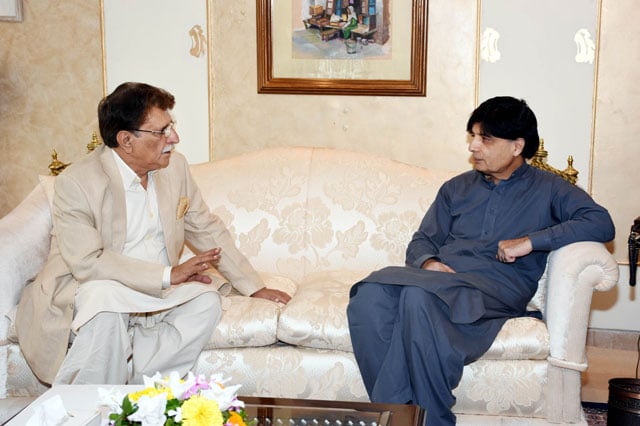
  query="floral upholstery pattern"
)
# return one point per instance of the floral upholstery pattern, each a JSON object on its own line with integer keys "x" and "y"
{"x": 313, "y": 221}
{"x": 312, "y": 210}
{"x": 509, "y": 388}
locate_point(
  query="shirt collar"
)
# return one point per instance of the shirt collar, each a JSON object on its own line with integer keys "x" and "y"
{"x": 520, "y": 171}
{"x": 130, "y": 179}
{"x": 517, "y": 174}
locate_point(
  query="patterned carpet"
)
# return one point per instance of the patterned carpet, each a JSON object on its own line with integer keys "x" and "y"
{"x": 595, "y": 413}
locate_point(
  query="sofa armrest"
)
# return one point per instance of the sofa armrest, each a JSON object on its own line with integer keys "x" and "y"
{"x": 573, "y": 273}
{"x": 25, "y": 238}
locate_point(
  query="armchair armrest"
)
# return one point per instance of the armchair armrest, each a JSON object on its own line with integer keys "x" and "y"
{"x": 24, "y": 246}
{"x": 573, "y": 273}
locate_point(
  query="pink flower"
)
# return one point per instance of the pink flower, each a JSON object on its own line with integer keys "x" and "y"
{"x": 200, "y": 384}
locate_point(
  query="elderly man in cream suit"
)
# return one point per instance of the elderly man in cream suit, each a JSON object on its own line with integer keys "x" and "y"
{"x": 113, "y": 285}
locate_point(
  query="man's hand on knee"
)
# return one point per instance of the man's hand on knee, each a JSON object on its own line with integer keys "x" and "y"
{"x": 192, "y": 269}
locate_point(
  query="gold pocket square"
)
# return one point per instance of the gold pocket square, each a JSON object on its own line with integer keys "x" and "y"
{"x": 183, "y": 206}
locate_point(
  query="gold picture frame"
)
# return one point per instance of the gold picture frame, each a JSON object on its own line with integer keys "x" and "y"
{"x": 279, "y": 71}
{"x": 11, "y": 10}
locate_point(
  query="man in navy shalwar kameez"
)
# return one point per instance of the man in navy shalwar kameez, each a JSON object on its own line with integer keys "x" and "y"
{"x": 474, "y": 262}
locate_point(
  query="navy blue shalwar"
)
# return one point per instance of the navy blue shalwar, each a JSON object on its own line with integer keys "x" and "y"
{"x": 413, "y": 330}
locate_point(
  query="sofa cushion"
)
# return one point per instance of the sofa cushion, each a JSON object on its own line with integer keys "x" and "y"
{"x": 248, "y": 321}
{"x": 245, "y": 322}
{"x": 520, "y": 338}
{"x": 316, "y": 318}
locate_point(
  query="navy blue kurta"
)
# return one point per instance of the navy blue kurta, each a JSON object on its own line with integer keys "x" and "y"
{"x": 413, "y": 330}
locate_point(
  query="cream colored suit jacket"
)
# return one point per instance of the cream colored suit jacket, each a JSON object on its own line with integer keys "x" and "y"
{"x": 89, "y": 217}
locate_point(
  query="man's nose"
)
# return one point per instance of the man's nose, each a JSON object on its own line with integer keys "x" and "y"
{"x": 173, "y": 137}
{"x": 474, "y": 143}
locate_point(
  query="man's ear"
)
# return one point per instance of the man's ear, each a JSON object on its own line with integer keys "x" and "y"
{"x": 518, "y": 146}
{"x": 124, "y": 139}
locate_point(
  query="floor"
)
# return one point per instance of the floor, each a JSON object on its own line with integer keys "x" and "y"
{"x": 604, "y": 364}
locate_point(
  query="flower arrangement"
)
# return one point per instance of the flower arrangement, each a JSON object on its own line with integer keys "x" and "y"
{"x": 172, "y": 401}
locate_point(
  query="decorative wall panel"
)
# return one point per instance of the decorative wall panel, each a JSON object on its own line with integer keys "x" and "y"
{"x": 164, "y": 43}
{"x": 544, "y": 52}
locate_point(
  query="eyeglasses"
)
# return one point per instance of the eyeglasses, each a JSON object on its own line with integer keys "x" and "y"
{"x": 166, "y": 132}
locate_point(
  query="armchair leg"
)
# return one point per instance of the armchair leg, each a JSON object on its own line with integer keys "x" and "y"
{"x": 566, "y": 383}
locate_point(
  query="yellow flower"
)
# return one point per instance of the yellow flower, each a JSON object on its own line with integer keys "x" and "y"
{"x": 235, "y": 419}
{"x": 200, "y": 411}
{"x": 150, "y": 392}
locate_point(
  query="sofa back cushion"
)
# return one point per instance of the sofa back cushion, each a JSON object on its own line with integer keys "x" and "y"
{"x": 298, "y": 211}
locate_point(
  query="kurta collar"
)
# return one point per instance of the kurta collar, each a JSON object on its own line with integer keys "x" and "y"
{"x": 130, "y": 180}
{"x": 517, "y": 174}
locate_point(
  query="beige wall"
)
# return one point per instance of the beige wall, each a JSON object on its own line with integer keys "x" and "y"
{"x": 428, "y": 131}
{"x": 50, "y": 83}
{"x": 51, "y": 79}
{"x": 616, "y": 181}
{"x": 616, "y": 171}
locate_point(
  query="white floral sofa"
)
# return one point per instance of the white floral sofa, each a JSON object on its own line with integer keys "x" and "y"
{"x": 314, "y": 221}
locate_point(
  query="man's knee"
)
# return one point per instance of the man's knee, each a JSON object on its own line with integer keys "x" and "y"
{"x": 209, "y": 305}
{"x": 416, "y": 301}
{"x": 365, "y": 296}
{"x": 417, "y": 296}
{"x": 105, "y": 321}
{"x": 370, "y": 292}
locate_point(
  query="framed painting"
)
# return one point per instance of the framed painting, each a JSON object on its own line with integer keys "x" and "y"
{"x": 342, "y": 47}
{"x": 11, "y": 10}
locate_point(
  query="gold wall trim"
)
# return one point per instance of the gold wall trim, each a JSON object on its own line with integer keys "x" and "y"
{"x": 594, "y": 101}
{"x": 210, "y": 75}
{"x": 104, "y": 50}
{"x": 476, "y": 84}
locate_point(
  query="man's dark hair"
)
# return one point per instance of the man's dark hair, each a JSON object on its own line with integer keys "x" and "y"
{"x": 126, "y": 108}
{"x": 508, "y": 118}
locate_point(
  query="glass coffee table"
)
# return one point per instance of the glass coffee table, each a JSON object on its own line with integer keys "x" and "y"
{"x": 305, "y": 412}
{"x": 81, "y": 403}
